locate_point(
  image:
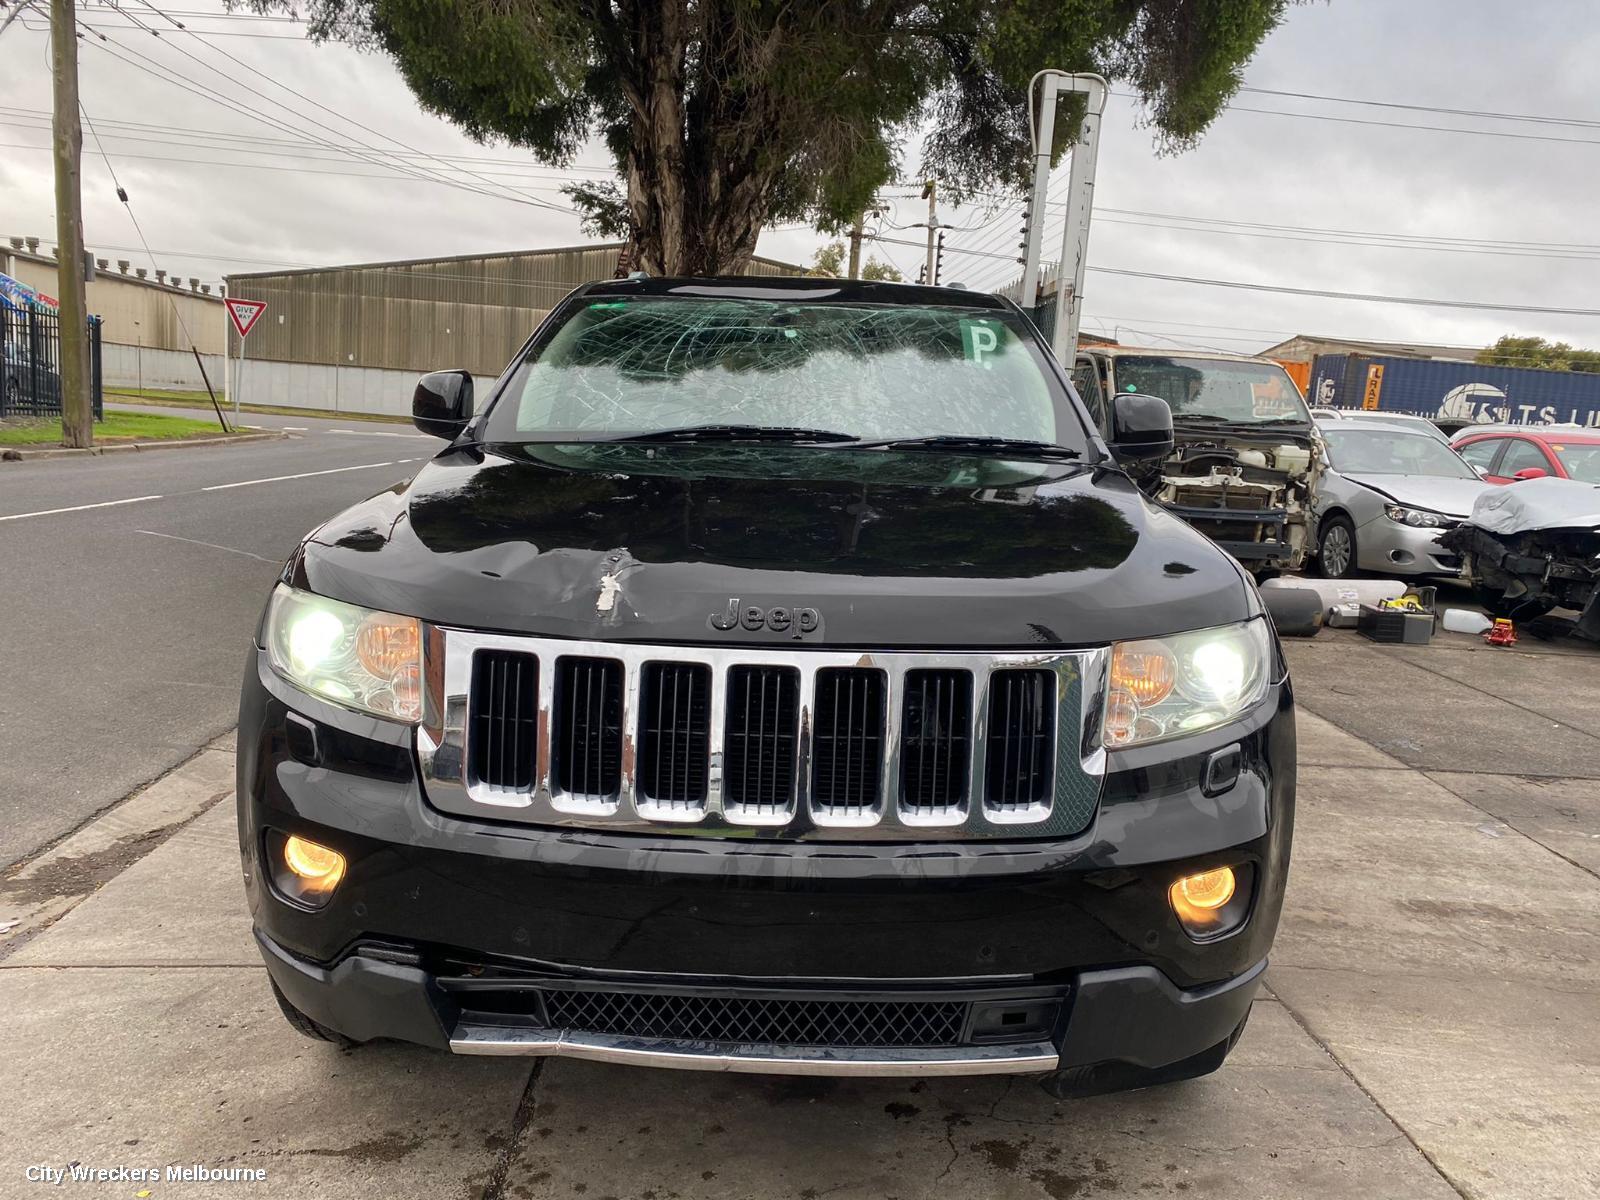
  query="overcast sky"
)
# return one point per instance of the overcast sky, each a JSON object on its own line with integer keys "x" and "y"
{"x": 210, "y": 205}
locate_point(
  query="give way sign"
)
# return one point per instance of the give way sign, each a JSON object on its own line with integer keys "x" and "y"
{"x": 244, "y": 314}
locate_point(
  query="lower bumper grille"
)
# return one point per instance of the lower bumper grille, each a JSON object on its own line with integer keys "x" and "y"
{"x": 771, "y": 1022}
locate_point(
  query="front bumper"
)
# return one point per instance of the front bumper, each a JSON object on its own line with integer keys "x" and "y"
{"x": 453, "y": 932}
{"x": 1128, "y": 1015}
{"x": 1392, "y": 548}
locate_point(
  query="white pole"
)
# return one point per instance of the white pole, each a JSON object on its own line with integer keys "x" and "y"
{"x": 1043, "y": 135}
{"x": 238, "y": 381}
{"x": 1080, "y": 203}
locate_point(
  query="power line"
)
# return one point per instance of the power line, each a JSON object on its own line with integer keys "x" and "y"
{"x": 1372, "y": 298}
{"x": 1454, "y": 112}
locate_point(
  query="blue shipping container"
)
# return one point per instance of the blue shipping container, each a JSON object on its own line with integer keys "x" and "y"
{"x": 1458, "y": 393}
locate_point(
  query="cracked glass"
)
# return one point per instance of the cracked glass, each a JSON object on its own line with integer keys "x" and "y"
{"x": 623, "y": 367}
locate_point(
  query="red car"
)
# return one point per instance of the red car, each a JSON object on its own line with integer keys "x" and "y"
{"x": 1504, "y": 455}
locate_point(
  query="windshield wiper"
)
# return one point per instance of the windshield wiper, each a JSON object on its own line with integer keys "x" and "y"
{"x": 738, "y": 433}
{"x": 1000, "y": 445}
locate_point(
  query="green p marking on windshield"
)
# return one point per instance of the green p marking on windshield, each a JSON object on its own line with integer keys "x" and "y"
{"x": 610, "y": 304}
{"x": 979, "y": 341}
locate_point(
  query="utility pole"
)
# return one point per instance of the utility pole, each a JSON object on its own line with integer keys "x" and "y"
{"x": 938, "y": 260}
{"x": 856, "y": 233}
{"x": 928, "y": 190}
{"x": 1080, "y": 204}
{"x": 1044, "y": 134}
{"x": 77, "y": 407}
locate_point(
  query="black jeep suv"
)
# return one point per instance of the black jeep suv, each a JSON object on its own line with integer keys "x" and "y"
{"x": 772, "y": 675}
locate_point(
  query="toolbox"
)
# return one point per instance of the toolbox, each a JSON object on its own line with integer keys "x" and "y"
{"x": 1395, "y": 625}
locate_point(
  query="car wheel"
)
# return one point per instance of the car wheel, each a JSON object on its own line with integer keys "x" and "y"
{"x": 1514, "y": 608}
{"x": 305, "y": 1026}
{"x": 1336, "y": 548}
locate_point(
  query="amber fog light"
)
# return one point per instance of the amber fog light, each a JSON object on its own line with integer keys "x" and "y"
{"x": 305, "y": 871}
{"x": 1211, "y": 902}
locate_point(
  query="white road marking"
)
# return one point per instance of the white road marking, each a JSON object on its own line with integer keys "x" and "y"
{"x": 210, "y": 545}
{"x": 379, "y": 433}
{"x": 295, "y": 428}
{"x": 50, "y": 512}
{"x": 222, "y": 487}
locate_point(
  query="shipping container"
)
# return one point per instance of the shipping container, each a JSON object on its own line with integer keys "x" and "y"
{"x": 1455, "y": 394}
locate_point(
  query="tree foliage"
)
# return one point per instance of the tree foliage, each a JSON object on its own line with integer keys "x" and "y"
{"x": 1513, "y": 351}
{"x": 829, "y": 260}
{"x": 727, "y": 115}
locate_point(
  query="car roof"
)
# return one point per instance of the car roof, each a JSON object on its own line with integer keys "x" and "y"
{"x": 1379, "y": 426}
{"x": 1174, "y": 352}
{"x": 1562, "y": 433}
{"x": 795, "y": 287}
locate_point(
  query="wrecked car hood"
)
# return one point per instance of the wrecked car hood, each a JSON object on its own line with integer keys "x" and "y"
{"x": 653, "y": 543}
{"x": 1453, "y": 497}
{"x": 1538, "y": 504}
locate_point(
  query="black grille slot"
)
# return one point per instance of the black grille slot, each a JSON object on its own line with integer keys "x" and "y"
{"x": 775, "y": 1022}
{"x": 758, "y": 762}
{"x": 847, "y": 740}
{"x": 503, "y": 750}
{"x": 935, "y": 740}
{"x": 1019, "y": 753}
{"x": 587, "y": 738}
{"x": 675, "y": 733}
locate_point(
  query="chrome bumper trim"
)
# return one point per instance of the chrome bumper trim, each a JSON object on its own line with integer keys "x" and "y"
{"x": 1020, "y": 1059}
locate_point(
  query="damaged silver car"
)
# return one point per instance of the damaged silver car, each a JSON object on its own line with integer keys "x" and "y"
{"x": 1246, "y": 455}
{"x": 1533, "y": 546}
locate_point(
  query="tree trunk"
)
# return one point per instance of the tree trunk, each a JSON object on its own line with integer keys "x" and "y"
{"x": 77, "y": 406}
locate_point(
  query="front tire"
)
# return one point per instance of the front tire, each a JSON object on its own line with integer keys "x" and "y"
{"x": 1336, "y": 548}
{"x": 306, "y": 1027}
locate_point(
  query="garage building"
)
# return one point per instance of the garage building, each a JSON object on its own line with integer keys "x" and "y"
{"x": 354, "y": 338}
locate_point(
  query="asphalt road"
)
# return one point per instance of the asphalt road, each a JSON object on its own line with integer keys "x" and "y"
{"x": 129, "y": 588}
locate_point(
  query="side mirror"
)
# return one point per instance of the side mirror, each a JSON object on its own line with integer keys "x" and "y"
{"x": 442, "y": 403}
{"x": 1531, "y": 473}
{"x": 1141, "y": 426}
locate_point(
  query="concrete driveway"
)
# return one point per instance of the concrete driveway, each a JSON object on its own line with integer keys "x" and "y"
{"x": 1429, "y": 1029}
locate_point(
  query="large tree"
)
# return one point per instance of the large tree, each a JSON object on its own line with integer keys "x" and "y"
{"x": 728, "y": 115}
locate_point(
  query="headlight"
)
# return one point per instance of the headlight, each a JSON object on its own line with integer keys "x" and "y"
{"x": 362, "y": 659}
{"x": 1419, "y": 518}
{"x": 1167, "y": 687}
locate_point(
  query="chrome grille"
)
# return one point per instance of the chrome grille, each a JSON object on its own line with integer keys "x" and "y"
{"x": 762, "y": 733}
{"x": 674, "y": 736}
{"x": 777, "y": 743}
{"x": 766, "y": 1022}
{"x": 505, "y": 719}
{"x": 936, "y": 743}
{"x": 588, "y": 758}
{"x": 1022, "y": 724}
{"x": 847, "y": 744}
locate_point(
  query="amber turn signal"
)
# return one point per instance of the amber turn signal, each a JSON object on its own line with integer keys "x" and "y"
{"x": 317, "y": 869}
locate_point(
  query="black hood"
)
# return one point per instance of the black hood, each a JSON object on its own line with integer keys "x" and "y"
{"x": 650, "y": 543}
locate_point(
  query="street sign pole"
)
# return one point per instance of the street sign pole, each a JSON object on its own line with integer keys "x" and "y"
{"x": 243, "y": 314}
{"x": 1044, "y": 133}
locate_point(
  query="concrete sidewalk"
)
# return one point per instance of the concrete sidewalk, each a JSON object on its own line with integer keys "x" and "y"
{"x": 1430, "y": 1032}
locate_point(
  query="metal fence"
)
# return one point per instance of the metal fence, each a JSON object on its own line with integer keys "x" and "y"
{"x": 30, "y": 363}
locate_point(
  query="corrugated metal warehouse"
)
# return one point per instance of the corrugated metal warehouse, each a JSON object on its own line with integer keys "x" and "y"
{"x": 354, "y": 338}
{"x": 142, "y": 339}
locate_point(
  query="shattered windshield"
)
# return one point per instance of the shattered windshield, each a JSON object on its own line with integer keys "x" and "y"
{"x": 1246, "y": 392}
{"x": 1392, "y": 452}
{"x": 622, "y": 367}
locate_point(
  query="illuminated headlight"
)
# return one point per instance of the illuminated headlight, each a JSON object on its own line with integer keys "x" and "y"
{"x": 1419, "y": 518}
{"x": 357, "y": 657}
{"x": 1167, "y": 687}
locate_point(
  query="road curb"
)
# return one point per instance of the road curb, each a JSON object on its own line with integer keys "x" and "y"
{"x": 38, "y": 891}
{"x": 19, "y": 454}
